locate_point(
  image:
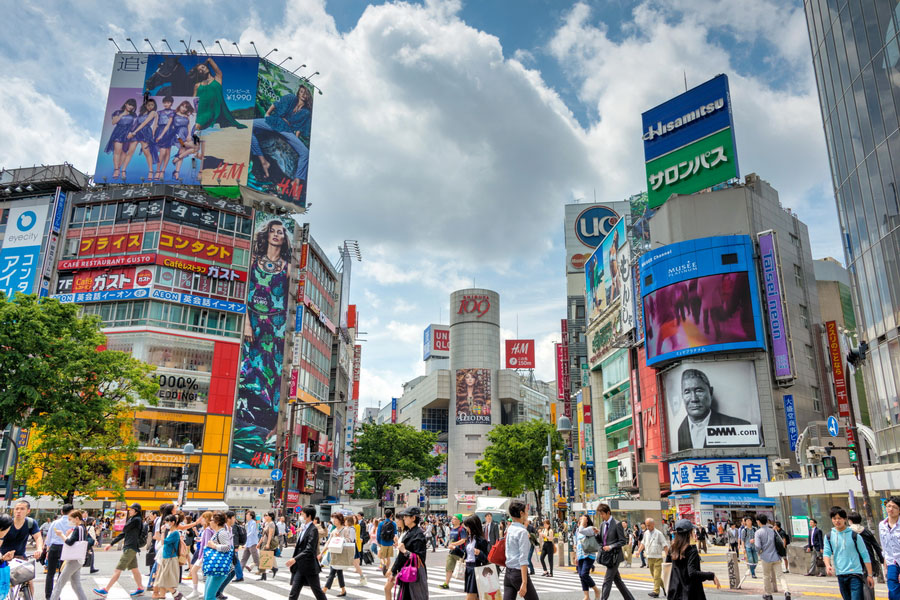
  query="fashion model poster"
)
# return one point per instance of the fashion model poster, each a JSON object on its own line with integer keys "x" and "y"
{"x": 473, "y": 396}
{"x": 262, "y": 348}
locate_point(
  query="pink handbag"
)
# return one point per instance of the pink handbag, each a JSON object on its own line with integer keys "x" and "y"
{"x": 410, "y": 572}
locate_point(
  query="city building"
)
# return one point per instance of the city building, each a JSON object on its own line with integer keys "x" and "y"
{"x": 855, "y": 59}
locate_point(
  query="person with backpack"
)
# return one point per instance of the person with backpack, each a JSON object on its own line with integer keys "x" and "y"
{"x": 890, "y": 544}
{"x": 457, "y": 540}
{"x": 847, "y": 557}
{"x": 135, "y": 533}
{"x": 385, "y": 534}
{"x": 786, "y": 540}
{"x": 770, "y": 548}
{"x": 871, "y": 541}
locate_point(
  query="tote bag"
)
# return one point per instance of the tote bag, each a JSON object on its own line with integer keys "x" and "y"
{"x": 77, "y": 551}
{"x": 488, "y": 582}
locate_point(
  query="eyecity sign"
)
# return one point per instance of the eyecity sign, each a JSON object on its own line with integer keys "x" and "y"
{"x": 689, "y": 142}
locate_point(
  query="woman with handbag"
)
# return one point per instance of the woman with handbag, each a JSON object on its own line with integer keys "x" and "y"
{"x": 586, "y": 549}
{"x": 216, "y": 556}
{"x": 338, "y": 547}
{"x": 409, "y": 567}
{"x": 168, "y": 570}
{"x": 476, "y": 554}
{"x": 73, "y": 555}
{"x": 93, "y": 538}
{"x": 686, "y": 581}
{"x": 548, "y": 546}
{"x": 357, "y": 555}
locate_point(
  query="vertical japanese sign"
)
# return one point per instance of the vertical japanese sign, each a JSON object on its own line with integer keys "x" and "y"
{"x": 776, "y": 311}
{"x": 838, "y": 374}
{"x": 59, "y": 208}
{"x": 349, "y": 481}
{"x": 254, "y": 443}
{"x": 393, "y": 410}
{"x": 790, "y": 417}
{"x": 563, "y": 376}
{"x": 19, "y": 256}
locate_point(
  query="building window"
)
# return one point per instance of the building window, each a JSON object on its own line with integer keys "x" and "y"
{"x": 804, "y": 316}
{"x": 168, "y": 434}
{"x": 798, "y": 276}
{"x": 795, "y": 240}
{"x": 817, "y": 399}
{"x": 436, "y": 420}
{"x": 159, "y": 477}
{"x": 579, "y": 312}
{"x": 810, "y": 357}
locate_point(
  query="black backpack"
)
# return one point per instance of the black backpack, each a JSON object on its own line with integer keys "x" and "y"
{"x": 239, "y": 534}
{"x": 388, "y": 531}
{"x": 144, "y": 535}
{"x": 363, "y": 531}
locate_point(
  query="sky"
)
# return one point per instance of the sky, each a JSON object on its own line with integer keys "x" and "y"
{"x": 451, "y": 133}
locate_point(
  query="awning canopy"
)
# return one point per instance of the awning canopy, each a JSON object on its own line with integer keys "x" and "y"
{"x": 732, "y": 499}
{"x": 201, "y": 505}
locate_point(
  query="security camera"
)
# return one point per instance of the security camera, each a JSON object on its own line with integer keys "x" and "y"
{"x": 781, "y": 463}
{"x": 815, "y": 451}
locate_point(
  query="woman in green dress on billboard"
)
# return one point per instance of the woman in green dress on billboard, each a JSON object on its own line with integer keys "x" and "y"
{"x": 211, "y": 106}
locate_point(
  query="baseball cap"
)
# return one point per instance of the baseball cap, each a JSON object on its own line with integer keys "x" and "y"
{"x": 459, "y": 516}
{"x": 683, "y": 525}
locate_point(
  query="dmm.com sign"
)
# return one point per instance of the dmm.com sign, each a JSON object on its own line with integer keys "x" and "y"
{"x": 694, "y": 167}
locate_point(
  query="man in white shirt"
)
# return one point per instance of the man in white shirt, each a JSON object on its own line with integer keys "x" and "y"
{"x": 655, "y": 544}
{"x": 54, "y": 548}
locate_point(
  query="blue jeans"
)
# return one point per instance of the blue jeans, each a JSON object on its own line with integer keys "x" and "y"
{"x": 584, "y": 573}
{"x": 293, "y": 141}
{"x": 213, "y": 582}
{"x": 893, "y": 582}
{"x": 851, "y": 587}
{"x": 752, "y": 559}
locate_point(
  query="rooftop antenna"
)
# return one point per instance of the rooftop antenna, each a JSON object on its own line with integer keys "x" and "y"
{"x": 218, "y": 43}
{"x": 205, "y": 51}
{"x": 132, "y": 44}
{"x": 685, "y": 80}
{"x": 254, "y": 47}
{"x": 168, "y": 46}
{"x": 238, "y": 48}
{"x": 151, "y": 45}
{"x": 115, "y": 44}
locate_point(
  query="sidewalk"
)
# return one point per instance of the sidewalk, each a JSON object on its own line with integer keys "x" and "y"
{"x": 799, "y": 584}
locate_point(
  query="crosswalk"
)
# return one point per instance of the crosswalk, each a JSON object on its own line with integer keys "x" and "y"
{"x": 563, "y": 581}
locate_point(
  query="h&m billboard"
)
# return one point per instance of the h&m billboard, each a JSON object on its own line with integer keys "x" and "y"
{"x": 207, "y": 120}
{"x": 519, "y": 354}
{"x": 689, "y": 142}
{"x": 700, "y": 296}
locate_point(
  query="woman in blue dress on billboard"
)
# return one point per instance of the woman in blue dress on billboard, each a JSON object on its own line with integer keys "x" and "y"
{"x": 165, "y": 137}
{"x": 290, "y": 117}
{"x": 144, "y": 135}
{"x": 182, "y": 136}
{"x": 118, "y": 143}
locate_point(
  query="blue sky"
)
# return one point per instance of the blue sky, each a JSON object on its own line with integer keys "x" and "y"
{"x": 451, "y": 133}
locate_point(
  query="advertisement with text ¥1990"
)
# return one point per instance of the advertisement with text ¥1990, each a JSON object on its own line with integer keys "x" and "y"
{"x": 262, "y": 349}
{"x": 207, "y": 120}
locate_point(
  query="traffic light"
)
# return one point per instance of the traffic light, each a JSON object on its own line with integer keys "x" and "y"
{"x": 851, "y": 450}
{"x": 829, "y": 465}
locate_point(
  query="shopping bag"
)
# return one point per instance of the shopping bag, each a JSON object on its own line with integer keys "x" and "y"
{"x": 488, "y": 581}
{"x": 342, "y": 560}
{"x": 666, "y": 575}
{"x": 77, "y": 551}
{"x": 335, "y": 544}
{"x": 266, "y": 560}
{"x": 459, "y": 571}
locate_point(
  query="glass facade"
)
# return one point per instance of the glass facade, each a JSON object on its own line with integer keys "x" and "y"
{"x": 856, "y": 58}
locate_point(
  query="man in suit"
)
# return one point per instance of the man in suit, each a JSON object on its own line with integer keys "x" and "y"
{"x": 304, "y": 564}
{"x": 491, "y": 530}
{"x": 697, "y": 395}
{"x": 815, "y": 546}
{"x": 612, "y": 539}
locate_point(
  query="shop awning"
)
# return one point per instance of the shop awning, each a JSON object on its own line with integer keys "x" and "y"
{"x": 729, "y": 499}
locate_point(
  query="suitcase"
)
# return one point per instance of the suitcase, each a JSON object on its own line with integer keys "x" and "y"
{"x": 367, "y": 557}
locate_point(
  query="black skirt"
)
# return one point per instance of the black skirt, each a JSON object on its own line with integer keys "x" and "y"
{"x": 471, "y": 587}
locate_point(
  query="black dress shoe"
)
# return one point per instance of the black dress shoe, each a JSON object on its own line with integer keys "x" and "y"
{"x": 221, "y": 597}
{"x": 239, "y": 580}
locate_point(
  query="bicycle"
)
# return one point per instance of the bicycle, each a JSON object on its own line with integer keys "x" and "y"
{"x": 21, "y": 574}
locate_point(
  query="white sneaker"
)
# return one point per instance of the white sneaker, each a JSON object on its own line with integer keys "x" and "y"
{"x": 363, "y": 581}
{"x": 192, "y": 595}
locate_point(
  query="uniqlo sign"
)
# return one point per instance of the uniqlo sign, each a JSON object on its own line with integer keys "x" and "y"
{"x": 519, "y": 354}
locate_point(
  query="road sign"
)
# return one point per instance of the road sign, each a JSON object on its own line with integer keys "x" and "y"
{"x": 277, "y": 474}
{"x": 261, "y": 491}
{"x": 833, "y": 426}
{"x": 298, "y": 510}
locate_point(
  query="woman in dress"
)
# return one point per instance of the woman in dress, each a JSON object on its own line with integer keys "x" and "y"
{"x": 586, "y": 560}
{"x": 686, "y": 582}
{"x": 548, "y": 546}
{"x": 412, "y": 543}
{"x": 181, "y": 135}
{"x": 476, "y": 550}
{"x": 165, "y": 137}
{"x": 71, "y": 569}
{"x": 290, "y": 117}
{"x": 211, "y": 107}
{"x": 470, "y": 393}
{"x": 346, "y": 534}
{"x": 118, "y": 143}
{"x": 168, "y": 569}
{"x": 144, "y": 133}
{"x": 264, "y": 326}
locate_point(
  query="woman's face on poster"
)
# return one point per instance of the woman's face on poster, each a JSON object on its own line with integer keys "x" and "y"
{"x": 470, "y": 379}
{"x": 276, "y": 235}
{"x": 203, "y": 70}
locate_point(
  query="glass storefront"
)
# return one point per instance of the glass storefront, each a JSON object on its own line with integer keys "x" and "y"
{"x": 159, "y": 477}
{"x": 155, "y": 433}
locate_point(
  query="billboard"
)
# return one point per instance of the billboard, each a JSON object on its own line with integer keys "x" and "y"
{"x": 689, "y": 142}
{"x": 473, "y": 396}
{"x": 837, "y": 370}
{"x": 603, "y": 282}
{"x": 713, "y": 474}
{"x": 776, "y": 309}
{"x": 101, "y": 280}
{"x": 585, "y": 227}
{"x": 519, "y": 354}
{"x": 436, "y": 342}
{"x": 700, "y": 296}
{"x": 20, "y": 254}
{"x": 207, "y": 120}
{"x": 712, "y": 405}
{"x": 262, "y": 347}
{"x": 440, "y": 448}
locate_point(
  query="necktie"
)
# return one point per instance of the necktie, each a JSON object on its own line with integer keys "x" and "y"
{"x": 605, "y": 532}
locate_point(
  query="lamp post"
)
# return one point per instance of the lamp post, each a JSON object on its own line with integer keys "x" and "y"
{"x": 182, "y": 488}
{"x": 564, "y": 426}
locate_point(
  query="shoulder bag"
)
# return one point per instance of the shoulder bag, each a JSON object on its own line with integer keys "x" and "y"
{"x": 215, "y": 562}
{"x": 76, "y": 551}
{"x": 410, "y": 572}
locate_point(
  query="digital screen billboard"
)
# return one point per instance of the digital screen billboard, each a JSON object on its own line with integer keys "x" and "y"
{"x": 689, "y": 141}
{"x": 712, "y": 405}
{"x": 700, "y": 296}
{"x": 197, "y": 119}
{"x": 602, "y": 280}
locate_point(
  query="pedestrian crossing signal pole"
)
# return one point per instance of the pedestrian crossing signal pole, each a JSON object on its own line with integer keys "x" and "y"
{"x": 857, "y": 359}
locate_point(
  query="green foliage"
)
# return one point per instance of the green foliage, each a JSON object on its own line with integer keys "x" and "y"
{"x": 513, "y": 462}
{"x": 77, "y": 399}
{"x": 388, "y": 453}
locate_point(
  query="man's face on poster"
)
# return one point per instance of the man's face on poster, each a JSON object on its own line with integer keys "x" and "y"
{"x": 697, "y": 396}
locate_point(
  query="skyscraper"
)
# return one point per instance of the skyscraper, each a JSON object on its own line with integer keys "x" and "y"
{"x": 856, "y": 57}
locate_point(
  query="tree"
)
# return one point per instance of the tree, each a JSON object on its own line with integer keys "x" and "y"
{"x": 57, "y": 379}
{"x": 513, "y": 462}
{"x": 391, "y": 452}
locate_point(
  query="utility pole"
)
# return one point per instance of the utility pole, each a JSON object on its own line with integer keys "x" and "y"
{"x": 858, "y": 359}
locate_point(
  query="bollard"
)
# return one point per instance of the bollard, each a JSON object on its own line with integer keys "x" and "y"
{"x": 734, "y": 570}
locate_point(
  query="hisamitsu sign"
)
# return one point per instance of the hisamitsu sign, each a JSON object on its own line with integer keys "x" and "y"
{"x": 725, "y": 473}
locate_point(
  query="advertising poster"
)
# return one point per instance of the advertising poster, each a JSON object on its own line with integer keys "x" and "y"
{"x": 585, "y": 227}
{"x": 473, "y": 396}
{"x": 21, "y": 250}
{"x": 262, "y": 347}
{"x": 700, "y": 296}
{"x": 776, "y": 310}
{"x": 626, "y": 293}
{"x": 712, "y": 405}
{"x": 603, "y": 282}
{"x": 205, "y": 119}
{"x": 440, "y": 448}
{"x": 519, "y": 354}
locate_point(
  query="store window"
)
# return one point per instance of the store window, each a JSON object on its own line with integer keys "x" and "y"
{"x": 156, "y": 433}
{"x": 617, "y": 406}
{"x": 174, "y": 352}
{"x": 159, "y": 477}
{"x": 177, "y": 390}
{"x": 435, "y": 419}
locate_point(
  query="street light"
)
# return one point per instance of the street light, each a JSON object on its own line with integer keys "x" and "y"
{"x": 182, "y": 489}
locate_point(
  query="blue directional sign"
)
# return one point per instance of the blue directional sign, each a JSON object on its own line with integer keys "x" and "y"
{"x": 277, "y": 474}
{"x": 833, "y": 426}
